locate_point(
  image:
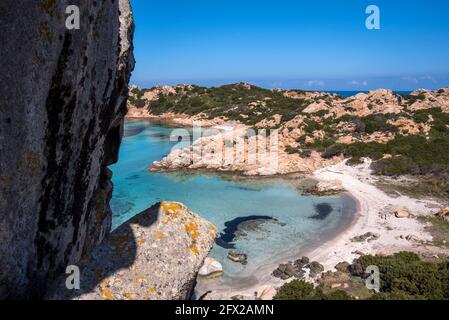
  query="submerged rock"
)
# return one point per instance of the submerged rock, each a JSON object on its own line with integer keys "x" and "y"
{"x": 238, "y": 257}
{"x": 155, "y": 255}
{"x": 323, "y": 210}
{"x": 240, "y": 227}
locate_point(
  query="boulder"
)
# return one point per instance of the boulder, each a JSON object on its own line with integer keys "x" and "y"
{"x": 211, "y": 267}
{"x": 342, "y": 266}
{"x": 334, "y": 279}
{"x": 401, "y": 213}
{"x": 154, "y": 256}
{"x": 325, "y": 188}
{"x": 289, "y": 270}
{"x": 315, "y": 268}
{"x": 369, "y": 236}
{"x": 301, "y": 263}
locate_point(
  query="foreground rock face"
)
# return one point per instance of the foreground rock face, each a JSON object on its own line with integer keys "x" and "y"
{"x": 156, "y": 255}
{"x": 63, "y": 99}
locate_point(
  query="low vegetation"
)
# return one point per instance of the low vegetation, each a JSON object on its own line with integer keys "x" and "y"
{"x": 136, "y": 98}
{"x": 249, "y": 105}
{"x": 301, "y": 290}
{"x": 418, "y": 154}
{"x": 403, "y": 276}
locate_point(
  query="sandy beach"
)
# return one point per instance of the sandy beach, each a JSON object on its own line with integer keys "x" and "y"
{"x": 373, "y": 215}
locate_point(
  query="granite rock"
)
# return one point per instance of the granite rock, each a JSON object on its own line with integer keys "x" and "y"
{"x": 63, "y": 99}
{"x": 154, "y": 256}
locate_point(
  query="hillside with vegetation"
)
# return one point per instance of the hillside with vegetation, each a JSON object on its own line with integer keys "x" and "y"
{"x": 403, "y": 134}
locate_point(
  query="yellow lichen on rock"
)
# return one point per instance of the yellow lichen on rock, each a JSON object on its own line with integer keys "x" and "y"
{"x": 152, "y": 290}
{"x": 128, "y": 296}
{"x": 158, "y": 234}
{"x": 106, "y": 292}
{"x": 171, "y": 207}
{"x": 195, "y": 250}
{"x": 192, "y": 229}
{"x": 171, "y": 210}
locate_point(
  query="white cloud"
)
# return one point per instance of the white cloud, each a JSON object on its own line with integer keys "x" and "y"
{"x": 429, "y": 78}
{"x": 315, "y": 83}
{"x": 359, "y": 83}
{"x": 410, "y": 79}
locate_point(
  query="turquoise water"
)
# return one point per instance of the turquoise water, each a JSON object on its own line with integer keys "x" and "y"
{"x": 220, "y": 199}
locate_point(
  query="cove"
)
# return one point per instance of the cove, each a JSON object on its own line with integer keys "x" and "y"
{"x": 268, "y": 219}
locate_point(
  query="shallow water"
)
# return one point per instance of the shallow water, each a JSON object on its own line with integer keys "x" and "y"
{"x": 276, "y": 220}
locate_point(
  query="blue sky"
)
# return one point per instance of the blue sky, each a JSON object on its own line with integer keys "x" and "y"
{"x": 320, "y": 44}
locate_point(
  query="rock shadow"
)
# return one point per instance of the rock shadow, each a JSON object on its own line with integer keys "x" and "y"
{"x": 117, "y": 252}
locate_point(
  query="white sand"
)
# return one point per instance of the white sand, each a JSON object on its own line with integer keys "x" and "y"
{"x": 373, "y": 216}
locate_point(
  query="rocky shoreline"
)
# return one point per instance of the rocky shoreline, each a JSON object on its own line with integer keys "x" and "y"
{"x": 383, "y": 224}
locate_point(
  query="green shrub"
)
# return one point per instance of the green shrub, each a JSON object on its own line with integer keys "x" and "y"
{"x": 291, "y": 150}
{"x": 414, "y": 154}
{"x": 406, "y": 276}
{"x": 301, "y": 290}
{"x": 231, "y": 101}
{"x": 296, "y": 290}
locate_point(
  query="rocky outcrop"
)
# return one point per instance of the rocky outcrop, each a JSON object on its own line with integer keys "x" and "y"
{"x": 326, "y": 188}
{"x": 63, "y": 100}
{"x": 154, "y": 256}
{"x": 298, "y": 269}
{"x": 238, "y": 149}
